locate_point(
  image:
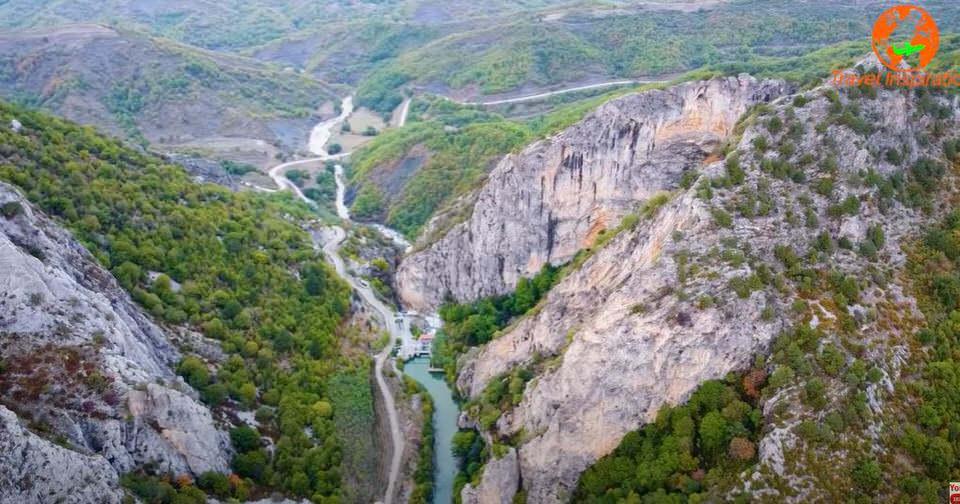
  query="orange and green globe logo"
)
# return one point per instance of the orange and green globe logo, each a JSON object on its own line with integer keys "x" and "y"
{"x": 905, "y": 38}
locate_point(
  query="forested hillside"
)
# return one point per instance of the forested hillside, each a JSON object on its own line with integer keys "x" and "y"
{"x": 236, "y": 267}
{"x": 220, "y": 24}
{"x": 547, "y": 48}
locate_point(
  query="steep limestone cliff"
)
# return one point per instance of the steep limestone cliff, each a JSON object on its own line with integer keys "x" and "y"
{"x": 698, "y": 287}
{"x": 551, "y": 200}
{"x": 84, "y": 366}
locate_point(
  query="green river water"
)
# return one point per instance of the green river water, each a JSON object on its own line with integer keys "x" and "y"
{"x": 445, "y": 414}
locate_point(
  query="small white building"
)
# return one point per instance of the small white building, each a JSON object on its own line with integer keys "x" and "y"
{"x": 421, "y": 347}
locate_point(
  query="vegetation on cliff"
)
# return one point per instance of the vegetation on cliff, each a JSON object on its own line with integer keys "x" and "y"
{"x": 233, "y": 266}
{"x": 857, "y": 402}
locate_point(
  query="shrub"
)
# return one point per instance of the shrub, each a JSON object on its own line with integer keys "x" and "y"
{"x": 774, "y": 125}
{"x": 251, "y": 464}
{"x": 688, "y": 178}
{"x": 781, "y": 376}
{"x": 867, "y": 476}
{"x": 824, "y": 187}
{"x": 810, "y": 218}
{"x": 298, "y": 177}
{"x": 11, "y": 209}
{"x": 722, "y": 218}
{"x": 850, "y": 205}
{"x": 215, "y": 483}
{"x": 245, "y": 438}
{"x": 868, "y": 250}
{"x": 760, "y": 143}
{"x": 947, "y": 290}
{"x": 194, "y": 371}
{"x": 815, "y": 393}
{"x": 735, "y": 173}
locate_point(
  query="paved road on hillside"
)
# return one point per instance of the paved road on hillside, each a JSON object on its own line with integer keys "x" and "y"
{"x": 548, "y": 94}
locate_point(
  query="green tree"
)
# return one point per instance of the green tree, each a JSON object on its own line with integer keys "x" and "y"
{"x": 245, "y": 439}
{"x": 194, "y": 371}
{"x": 713, "y": 433}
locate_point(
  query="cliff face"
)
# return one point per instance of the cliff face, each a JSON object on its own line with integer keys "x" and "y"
{"x": 615, "y": 367}
{"x": 555, "y": 197}
{"x": 690, "y": 292}
{"x": 84, "y": 366}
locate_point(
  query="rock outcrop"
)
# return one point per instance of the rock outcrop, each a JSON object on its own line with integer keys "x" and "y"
{"x": 617, "y": 363}
{"x": 686, "y": 294}
{"x": 555, "y": 197}
{"x": 27, "y": 460}
{"x": 84, "y": 365}
{"x": 499, "y": 483}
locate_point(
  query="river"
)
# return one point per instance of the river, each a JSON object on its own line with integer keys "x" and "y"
{"x": 320, "y": 134}
{"x": 445, "y": 414}
{"x": 396, "y": 323}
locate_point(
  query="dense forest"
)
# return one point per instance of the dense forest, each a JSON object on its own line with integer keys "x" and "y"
{"x": 236, "y": 267}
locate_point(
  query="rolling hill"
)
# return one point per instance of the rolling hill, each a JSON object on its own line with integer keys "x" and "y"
{"x": 160, "y": 92}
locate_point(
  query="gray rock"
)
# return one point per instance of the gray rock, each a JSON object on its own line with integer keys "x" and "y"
{"x": 499, "y": 483}
{"x": 555, "y": 197}
{"x": 170, "y": 427}
{"x": 105, "y": 368}
{"x": 35, "y": 470}
{"x": 622, "y": 335}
